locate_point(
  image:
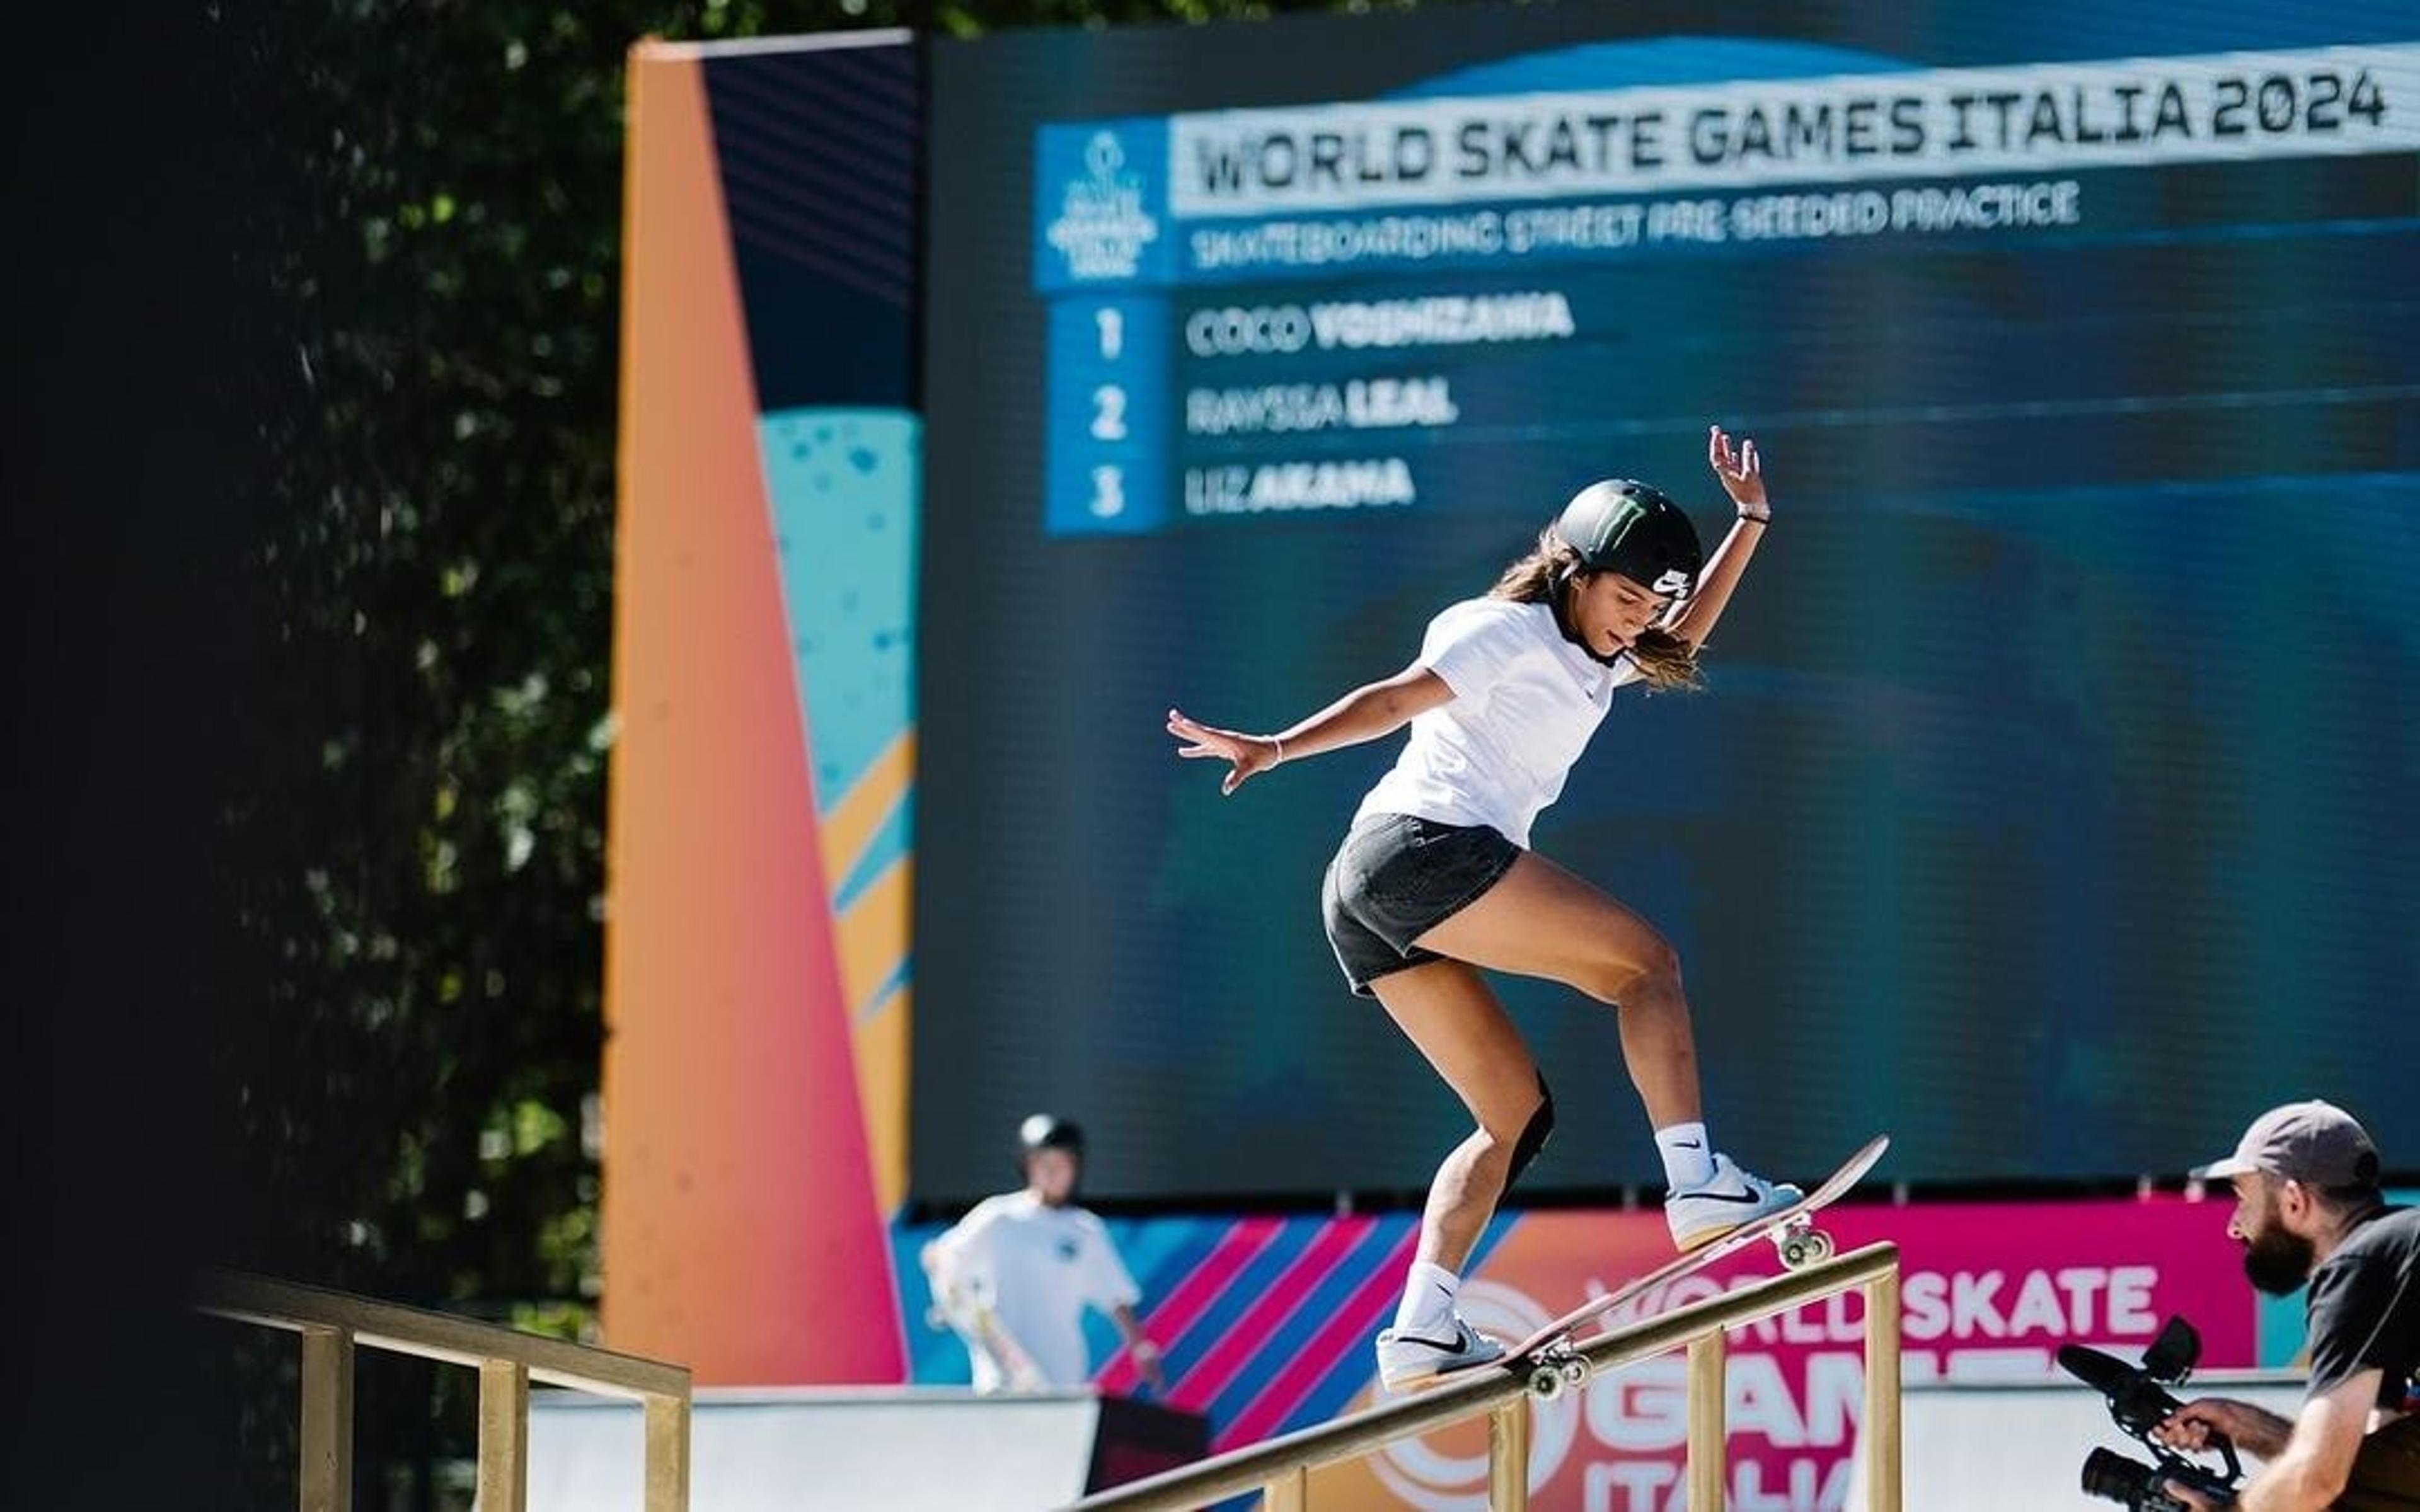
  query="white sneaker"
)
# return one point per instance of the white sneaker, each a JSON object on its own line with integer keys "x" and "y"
{"x": 1700, "y": 1214}
{"x": 1408, "y": 1360}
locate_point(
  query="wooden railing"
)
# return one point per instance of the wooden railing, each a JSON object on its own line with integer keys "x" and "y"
{"x": 333, "y": 1323}
{"x": 1281, "y": 1468}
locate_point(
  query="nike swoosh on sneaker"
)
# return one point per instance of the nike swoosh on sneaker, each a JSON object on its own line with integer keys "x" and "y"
{"x": 1454, "y": 1342}
{"x": 1723, "y": 1196}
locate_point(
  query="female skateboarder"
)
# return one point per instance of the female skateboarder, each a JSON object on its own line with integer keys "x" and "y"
{"x": 1435, "y": 880}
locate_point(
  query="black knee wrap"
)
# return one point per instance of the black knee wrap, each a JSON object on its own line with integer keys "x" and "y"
{"x": 1533, "y": 1134}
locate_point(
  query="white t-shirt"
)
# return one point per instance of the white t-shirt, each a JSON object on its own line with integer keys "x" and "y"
{"x": 1039, "y": 1268}
{"x": 1525, "y": 703}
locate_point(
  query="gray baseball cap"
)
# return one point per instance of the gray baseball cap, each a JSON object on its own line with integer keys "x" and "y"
{"x": 2316, "y": 1143}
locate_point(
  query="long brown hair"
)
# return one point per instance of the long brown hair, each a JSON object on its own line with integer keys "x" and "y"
{"x": 1664, "y": 660}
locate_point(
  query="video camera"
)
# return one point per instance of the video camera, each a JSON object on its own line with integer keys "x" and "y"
{"x": 2139, "y": 1402}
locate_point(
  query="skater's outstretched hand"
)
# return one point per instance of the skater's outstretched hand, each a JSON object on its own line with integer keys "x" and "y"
{"x": 1740, "y": 472}
{"x": 1246, "y": 756}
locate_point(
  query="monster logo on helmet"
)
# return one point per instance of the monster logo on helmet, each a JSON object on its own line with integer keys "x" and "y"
{"x": 1619, "y": 525}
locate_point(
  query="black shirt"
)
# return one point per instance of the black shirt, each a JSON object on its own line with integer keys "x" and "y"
{"x": 2363, "y": 1309}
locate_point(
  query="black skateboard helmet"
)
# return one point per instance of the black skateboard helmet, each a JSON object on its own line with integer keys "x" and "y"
{"x": 1619, "y": 525}
{"x": 1047, "y": 1131}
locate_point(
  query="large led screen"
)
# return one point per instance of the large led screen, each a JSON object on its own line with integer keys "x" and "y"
{"x": 2052, "y": 804}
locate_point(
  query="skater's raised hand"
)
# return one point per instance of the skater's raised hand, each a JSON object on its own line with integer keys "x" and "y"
{"x": 1246, "y": 756}
{"x": 1740, "y": 472}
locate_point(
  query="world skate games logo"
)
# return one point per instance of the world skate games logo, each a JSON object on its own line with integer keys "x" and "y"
{"x": 1100, "y": 214}
{"x": 1988, "y": 1293}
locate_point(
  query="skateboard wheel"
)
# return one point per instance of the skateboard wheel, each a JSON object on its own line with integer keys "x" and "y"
{"x": 1546, "y": 1382}
{"x": 1576, "y": 1373}
{"x": 1819, "y": 1246}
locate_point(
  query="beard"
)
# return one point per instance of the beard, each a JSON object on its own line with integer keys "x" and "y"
{"x": 2278, "y": 1262}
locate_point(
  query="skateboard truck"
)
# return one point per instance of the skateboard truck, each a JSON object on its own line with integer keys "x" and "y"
{"x": 1801, "y": 1245}
{"x": 1556, "y": 1368}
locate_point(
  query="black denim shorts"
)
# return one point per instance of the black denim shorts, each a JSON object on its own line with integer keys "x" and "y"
{"x": 1395, "y": 878}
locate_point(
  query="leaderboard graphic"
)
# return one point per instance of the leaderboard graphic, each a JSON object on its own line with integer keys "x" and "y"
{"x": 1331, "y": 306}
{"x": 2057, "y": 740}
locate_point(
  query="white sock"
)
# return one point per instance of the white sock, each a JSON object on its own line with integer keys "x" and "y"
{"x": 1688, "y": 1158}
{"x": 1427, "y": 1308}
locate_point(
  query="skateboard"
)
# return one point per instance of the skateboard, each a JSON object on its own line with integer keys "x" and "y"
{"x": 1552, "y": 1365}
{"x": 962, "y": 1306}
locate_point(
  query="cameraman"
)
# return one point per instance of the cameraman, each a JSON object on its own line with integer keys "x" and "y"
{"x": 2308, "y": 1208}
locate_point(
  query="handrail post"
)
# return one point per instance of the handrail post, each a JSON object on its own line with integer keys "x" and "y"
{"x": 1708, "y": 1420}
{"x": 667, "y": 1429}
{"x": 1881, "y": 1425}
{"x": 1289, "y": 1492}
{"x": 504, "y": 1436}
{"x": 326, "y": 1480}
{"x": 1508, "y": 1457}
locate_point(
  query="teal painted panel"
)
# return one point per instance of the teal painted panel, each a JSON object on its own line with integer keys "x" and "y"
{"x": 846, "y": 485}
